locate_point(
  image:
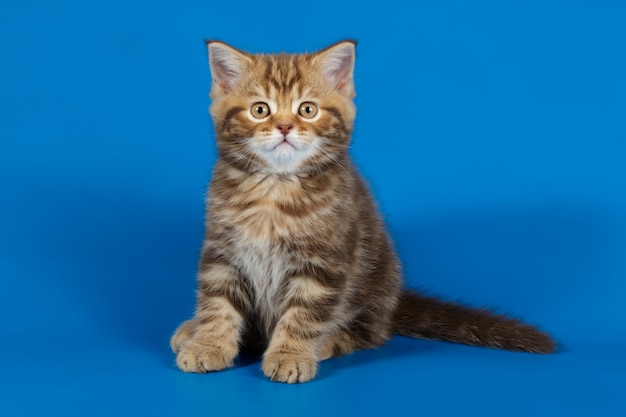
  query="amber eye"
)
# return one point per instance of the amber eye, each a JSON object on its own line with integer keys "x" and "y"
{"x": 260, "y": 110}
{"x": 307, "y": 110}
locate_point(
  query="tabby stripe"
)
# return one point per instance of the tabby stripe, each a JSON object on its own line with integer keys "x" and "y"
{"x": 317, "y": 300}
{"x": 299, "y": 210}
{"x": 320, "y": 274}
{"x": 268, "y": 73}
{"x": 337, "y": 115}
{"x": 318, "y": 312}
{"x": 301, "y": 330}
{"x": 238, "y": 298}
{"x": 296, "y": 76}
{"x": 300, "y": 323}
{"x": 223, "y": 281}
{"x": 232, "y": 112}
{"x": 210, "y": 259}
{"x": 217, "y": 322}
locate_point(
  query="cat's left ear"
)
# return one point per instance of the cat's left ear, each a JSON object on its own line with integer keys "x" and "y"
{"x": 337, "y": 64}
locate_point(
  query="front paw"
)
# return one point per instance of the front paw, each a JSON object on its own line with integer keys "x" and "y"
{"x": 182, "y": 335}
{"x": 196, "y": 357}
{"x": 289, "y": 367}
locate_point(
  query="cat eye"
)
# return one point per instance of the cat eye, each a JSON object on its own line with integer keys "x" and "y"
{"x": 260, "y": 110}
{"x": 307, "y": 110}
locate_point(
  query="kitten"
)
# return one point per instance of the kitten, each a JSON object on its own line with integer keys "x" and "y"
{"x": 296, "y": 260}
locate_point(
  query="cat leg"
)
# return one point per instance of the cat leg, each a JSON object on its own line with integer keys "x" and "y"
{"x": 213, "y": 336}
{"x": 292, "y": 354}
{"x": 360, "y": 335}
{"x": 371, "y": 328}
{"x": 338, "y": 343}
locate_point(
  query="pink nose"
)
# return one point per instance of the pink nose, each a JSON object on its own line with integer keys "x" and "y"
{"x": 284, "y": 128}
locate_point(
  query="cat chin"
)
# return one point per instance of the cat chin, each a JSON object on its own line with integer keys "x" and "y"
{"x": 285, "y": 160}
{"x": 285, "y": 156}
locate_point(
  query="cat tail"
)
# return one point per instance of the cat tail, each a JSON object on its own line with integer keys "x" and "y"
{"x": 431, "y": 318}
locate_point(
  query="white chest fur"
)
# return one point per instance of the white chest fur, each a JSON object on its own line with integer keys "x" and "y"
{"x": 258, "y": 252}
{"x": 264, "y": 266}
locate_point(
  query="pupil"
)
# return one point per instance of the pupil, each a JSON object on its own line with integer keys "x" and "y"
{"x": 259, "y": 110}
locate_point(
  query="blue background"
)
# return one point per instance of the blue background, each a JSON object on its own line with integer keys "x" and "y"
{"x": 494, "y": 137}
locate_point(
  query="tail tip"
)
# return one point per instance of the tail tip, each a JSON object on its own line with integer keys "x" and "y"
{"x": 536, "y": 341}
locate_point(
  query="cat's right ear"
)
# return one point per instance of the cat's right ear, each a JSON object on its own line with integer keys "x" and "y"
{"x": 337, "y": 65}
{"x": 227, "y": 65}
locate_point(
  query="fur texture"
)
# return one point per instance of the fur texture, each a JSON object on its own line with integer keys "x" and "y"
{"x": 296, "y": 260}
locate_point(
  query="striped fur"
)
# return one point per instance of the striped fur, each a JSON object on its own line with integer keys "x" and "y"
{"x": 296, "y": 260}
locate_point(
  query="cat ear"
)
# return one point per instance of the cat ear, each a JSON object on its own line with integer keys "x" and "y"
{"x": 337, "y": 64}
{"x": 227, "y": 65}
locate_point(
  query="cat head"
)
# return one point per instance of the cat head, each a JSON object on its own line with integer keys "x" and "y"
{"x": 283, "y": 113}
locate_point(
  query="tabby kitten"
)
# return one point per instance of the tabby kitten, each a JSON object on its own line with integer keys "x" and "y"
{"x": 296, "y": 260}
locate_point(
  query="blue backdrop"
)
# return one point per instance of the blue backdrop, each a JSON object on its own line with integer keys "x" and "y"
{"x": 493, "y": 134}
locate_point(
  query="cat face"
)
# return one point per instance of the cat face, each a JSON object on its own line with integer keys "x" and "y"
{"x": 282, "y": 114}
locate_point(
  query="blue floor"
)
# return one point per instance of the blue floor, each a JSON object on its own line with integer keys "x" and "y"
{"x": 494, "y": 138}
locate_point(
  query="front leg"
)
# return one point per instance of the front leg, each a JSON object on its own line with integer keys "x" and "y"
{"x": 210, "y": 341}
{"x": 293, "y": 351}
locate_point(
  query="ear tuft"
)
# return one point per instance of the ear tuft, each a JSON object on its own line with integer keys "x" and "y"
{"x": 227, "y": 65}
{"x": 337, "y": 63}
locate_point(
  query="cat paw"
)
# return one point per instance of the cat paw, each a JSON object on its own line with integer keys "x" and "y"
{"x": 289, "y": 367}
{"x": 338, "y": 344}
{"x": 199, "y": 358}
{"x": 182, "y": 335}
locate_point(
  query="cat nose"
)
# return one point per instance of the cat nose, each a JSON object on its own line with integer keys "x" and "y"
{"x": 284, "y": 128}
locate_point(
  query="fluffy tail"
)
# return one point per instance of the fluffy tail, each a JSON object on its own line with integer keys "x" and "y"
{"x": 431, "y": 318}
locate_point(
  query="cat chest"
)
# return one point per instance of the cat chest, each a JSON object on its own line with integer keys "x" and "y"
{"x": 263, "y": 264}
{"x": 264, "y": 219}
{"x": 259, "y": 254}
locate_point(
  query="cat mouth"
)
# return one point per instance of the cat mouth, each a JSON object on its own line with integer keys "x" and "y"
{"x": 283, "y": 144}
